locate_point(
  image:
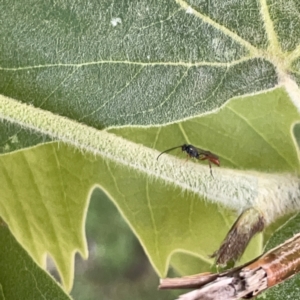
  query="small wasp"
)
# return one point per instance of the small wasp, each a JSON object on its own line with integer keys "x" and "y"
{"x": 198, "y": 153}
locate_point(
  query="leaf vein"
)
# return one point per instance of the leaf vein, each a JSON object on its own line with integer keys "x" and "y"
{"x": 253, "y": 50}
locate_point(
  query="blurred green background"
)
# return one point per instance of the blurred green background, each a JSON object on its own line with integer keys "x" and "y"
{"x": 117, "y": 267}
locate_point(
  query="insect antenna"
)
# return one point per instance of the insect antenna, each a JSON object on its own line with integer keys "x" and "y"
{"x": 168, "y": 151}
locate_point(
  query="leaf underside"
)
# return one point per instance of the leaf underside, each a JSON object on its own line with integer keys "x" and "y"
{"x": 20, "y": 277}
{"x": 169, "y": 69}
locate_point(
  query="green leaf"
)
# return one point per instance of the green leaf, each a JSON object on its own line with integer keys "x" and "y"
{"x": 251, "y": 139}
{"x": 134, "y": 63}
{"x": 221, "y": 76}
{"x": 53, "y": 225}
{"x": 20, "y": 277}
{"x": 151, "y": 208}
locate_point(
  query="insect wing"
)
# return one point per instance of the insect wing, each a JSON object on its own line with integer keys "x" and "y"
{"x": 204, "y": 154}
{"x": 215, "y": 160}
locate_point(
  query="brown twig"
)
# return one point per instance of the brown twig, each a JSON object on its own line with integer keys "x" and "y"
{"x": 246, "y": 281}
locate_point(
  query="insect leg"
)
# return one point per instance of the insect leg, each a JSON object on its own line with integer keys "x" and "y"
{"x": 210, "y": 169}
{"x": 204, "y": 157}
